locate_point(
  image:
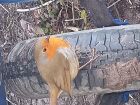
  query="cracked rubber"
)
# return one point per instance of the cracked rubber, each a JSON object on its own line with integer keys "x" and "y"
{"x": 114, "y": 44}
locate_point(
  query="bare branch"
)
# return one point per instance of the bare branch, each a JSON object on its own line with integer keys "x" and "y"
{"x": 10, "y": 101}
{"x": 72, "y": 19}
{"x": 133, "y": 99}
{"x": 94, "y": 57}
{"x": 73, "y": 12}
{"x": 72, "y": 28}
{"x": 34, "y": 8}
{"x": 130, "y": 1}
{"x": 4, "y": 44}
{"x": 4, "y": 8}
{"x": 113, "y": 3}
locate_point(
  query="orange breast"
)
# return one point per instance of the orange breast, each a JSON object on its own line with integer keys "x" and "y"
{"x": 53, "y": 44}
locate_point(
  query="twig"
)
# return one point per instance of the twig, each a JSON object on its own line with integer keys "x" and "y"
{"x": 72, "y": 28}
{"x": 113, "y": 3}
{"x": 117, "y": 11}
{"x": 10, "y": 101}
{"x": 59, "y": 15}
{"x": 34, "y": 8}
{"x": 73, "y": 12}
{"x": 130, "y": 2}
{"x": 77, "y": 9}
{"x": 72, "y": 19}
{"x": 89, "y": 62}
{"x": 4, "y": 8}
{"x": 4, "y": 44}
{"x": 133, "y": 99}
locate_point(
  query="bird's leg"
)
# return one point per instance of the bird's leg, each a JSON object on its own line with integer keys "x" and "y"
{"x": 54, "y": 94}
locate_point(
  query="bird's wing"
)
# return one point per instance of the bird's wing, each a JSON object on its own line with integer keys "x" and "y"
{"x": 70, "y": 66}
{"x": 65, "y": 72}
{"x": 70, "y": 55}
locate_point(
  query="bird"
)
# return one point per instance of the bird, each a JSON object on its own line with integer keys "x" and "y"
{"x": 57, "y": 64}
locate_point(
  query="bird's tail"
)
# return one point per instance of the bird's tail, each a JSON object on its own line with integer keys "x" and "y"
{"x": 67, "y": 78}
{"x": 67, "y": 83}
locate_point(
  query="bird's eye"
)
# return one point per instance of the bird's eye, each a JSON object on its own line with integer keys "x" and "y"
{"x": 44, "y": 50}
